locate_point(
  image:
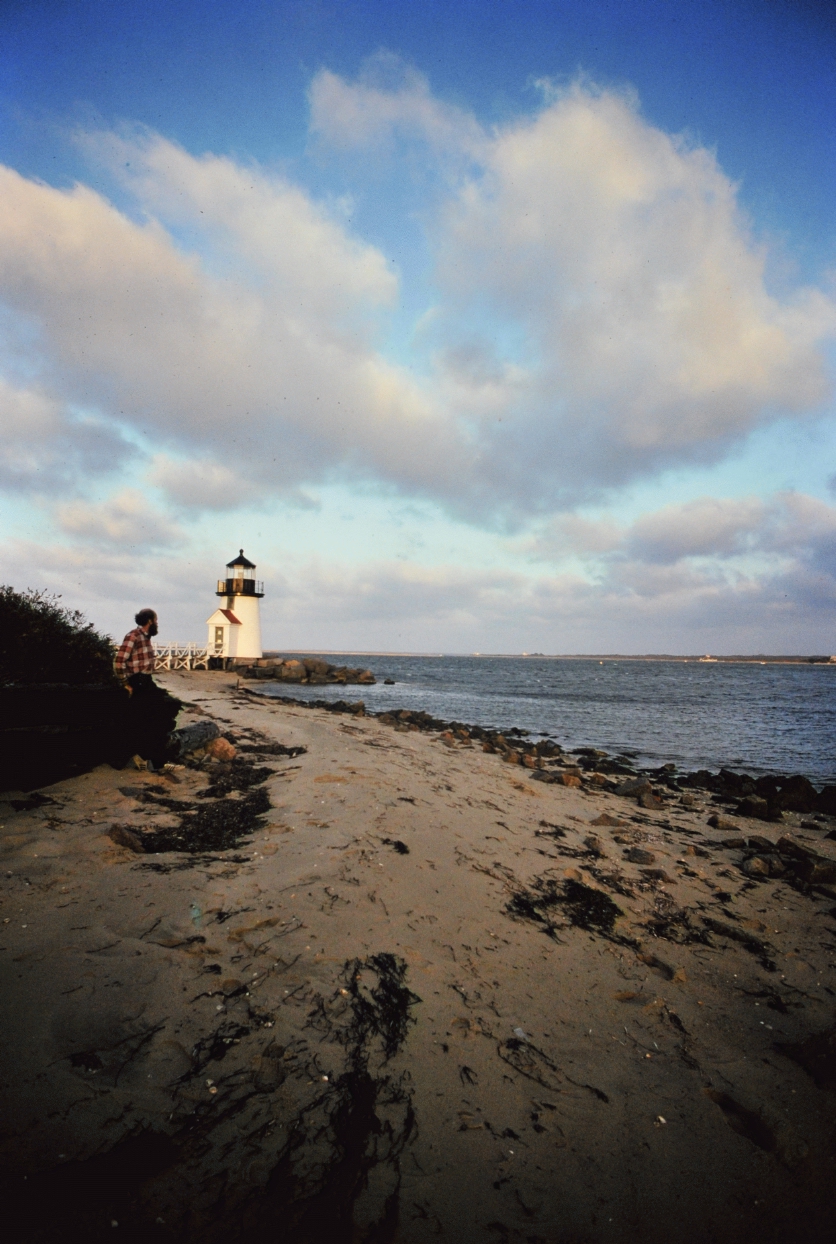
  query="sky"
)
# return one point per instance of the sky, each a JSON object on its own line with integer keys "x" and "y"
{"x": 486, "y": 327}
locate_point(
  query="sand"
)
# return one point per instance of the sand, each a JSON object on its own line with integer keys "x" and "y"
{"x": 368, "y": 1023}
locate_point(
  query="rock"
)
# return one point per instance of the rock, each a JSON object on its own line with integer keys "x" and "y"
{"x": 756, "y": 867}
{"x": 638, "y": 855}
{"x": 366, "y": 677}
{"x": 807, "y": 864}
{"x": 658, "y": 874}
{"x": 388, "y": 682}
{"x": 530, "y": 762}
{"x": 733, "y": 844}
{"x": 567, "y": 779}
{"x": 754, "y": 806}
{"x": 796, "y": 794}
{"x": 606, "y": 819}
{"x": 648, "y": 800}
{"x": 314, "y": 665}
{"x": 758, "y": 843}
{"x": 221, "y": 749}
{"x": 633, "y": 786}
{"x": 123, "y": 836}
{"x": 826, "y": 801}
{"x": 688, "y": 801}
{"x": 723, "y": 824}
{"x": 599, "y": 779}
{"x": 190, "y": 738}
{"x": 593, "y": 845}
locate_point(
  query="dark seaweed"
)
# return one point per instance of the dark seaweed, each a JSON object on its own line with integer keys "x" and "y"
{"x": 380, "y": 1001}
{"x": 583, "y": 907}
{"x": 400, "y": 847}
{"x": 235, "y": 775}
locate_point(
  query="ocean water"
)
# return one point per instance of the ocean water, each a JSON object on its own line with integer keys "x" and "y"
{"x": 752, "y": 718}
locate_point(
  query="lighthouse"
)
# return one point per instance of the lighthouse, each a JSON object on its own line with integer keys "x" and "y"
{"x": 235, "y": 627}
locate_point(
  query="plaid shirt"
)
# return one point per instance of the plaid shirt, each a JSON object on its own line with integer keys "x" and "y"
{"x": 136, "y": 656}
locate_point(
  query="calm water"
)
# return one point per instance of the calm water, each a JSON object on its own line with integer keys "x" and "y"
{"x": 759, "y": 718}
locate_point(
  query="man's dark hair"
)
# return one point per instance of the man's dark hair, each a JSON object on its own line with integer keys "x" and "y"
{"x": 145, "y": 615}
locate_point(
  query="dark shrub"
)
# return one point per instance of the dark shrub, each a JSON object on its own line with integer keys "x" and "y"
{"x": 41, "y": 641}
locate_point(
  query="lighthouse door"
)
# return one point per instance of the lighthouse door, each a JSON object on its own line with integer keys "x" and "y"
{"x": 219, "y": 638}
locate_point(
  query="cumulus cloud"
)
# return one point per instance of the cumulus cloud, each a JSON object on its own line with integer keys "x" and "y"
{"x": 621, "y": 258}
{"x": 270, "y": 371}
{"x": 44, "y": 448}
{"x": 126, "y": 520}
{"x": 603, "y": 314}
{"x": 389, "y": 100}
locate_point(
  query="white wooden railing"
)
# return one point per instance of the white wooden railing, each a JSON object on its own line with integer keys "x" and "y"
{"x": 180, "y": 657}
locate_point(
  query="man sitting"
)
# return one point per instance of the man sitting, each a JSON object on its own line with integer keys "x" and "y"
{"x": 153, "y": 711}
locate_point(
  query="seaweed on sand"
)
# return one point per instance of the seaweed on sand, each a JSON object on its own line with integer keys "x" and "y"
{"x": 580, "y": 904}
{"x": 380, "y": 1001}
{"x": 220, "y": 825}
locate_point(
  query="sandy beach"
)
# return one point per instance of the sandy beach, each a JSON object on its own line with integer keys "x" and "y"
{"x": 426, "y": 998}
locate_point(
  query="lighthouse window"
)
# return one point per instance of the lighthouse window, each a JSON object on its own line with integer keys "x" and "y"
{"x": 219, "y": 637}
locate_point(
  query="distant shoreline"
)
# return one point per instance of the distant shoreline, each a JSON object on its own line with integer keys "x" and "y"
{"x": 565, "y": 656}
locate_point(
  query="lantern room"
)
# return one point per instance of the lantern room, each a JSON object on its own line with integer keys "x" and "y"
{"x": 239, "y": 579}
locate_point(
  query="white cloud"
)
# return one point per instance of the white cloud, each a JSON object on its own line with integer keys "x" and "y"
{"x": 44, "y": 448}
{"x": 705, "y": 527}
{"x": 390, "y": 100}
{"x": 604, "y": 310}
{"x": 126, "y": 520}
{"x": 271, "y": 372}
{"x": 623, "y": 271}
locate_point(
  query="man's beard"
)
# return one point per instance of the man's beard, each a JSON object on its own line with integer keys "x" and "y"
{"x": 153, "y": 629}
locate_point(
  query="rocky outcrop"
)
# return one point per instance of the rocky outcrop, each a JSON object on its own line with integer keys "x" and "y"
{"x": 310, "y": 670}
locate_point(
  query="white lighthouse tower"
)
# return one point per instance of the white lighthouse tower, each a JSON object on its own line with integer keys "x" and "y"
{"x": 235, "y": 627}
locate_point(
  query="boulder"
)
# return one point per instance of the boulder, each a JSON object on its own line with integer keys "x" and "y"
{"x": 826, "y": 801}
{"x": 723, "y": 824}
{"x": 796, "y": 794}
{"x": 754, "y": 806}
{"x": 221, "y": 749}
{"x": 190, "y": 738}
{"x": 633, "y": 786}
{"x": 638, "y": 855}
{"x": 315, "y": 665}
{"x": 807, "y": 864}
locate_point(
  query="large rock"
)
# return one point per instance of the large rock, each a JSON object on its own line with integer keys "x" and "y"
{"x": 826, "y": 801}
{"x": 754, "y": 806}
{"x": 634, "y": 786}
{"x": 806, "y": 863}
{"x": 315, "y": 665}
{"x": 190, "y": 738}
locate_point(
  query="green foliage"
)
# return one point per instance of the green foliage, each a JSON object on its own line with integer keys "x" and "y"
{"x": 42, "y": 641}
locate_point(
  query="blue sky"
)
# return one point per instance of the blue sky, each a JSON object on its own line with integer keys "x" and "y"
{"x": 482, "y": 327}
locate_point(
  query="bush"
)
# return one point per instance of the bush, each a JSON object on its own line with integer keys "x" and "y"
{"x": 42, "y": 641}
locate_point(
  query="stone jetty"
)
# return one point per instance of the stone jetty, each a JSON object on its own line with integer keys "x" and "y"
{"x": 312, "y": 670}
